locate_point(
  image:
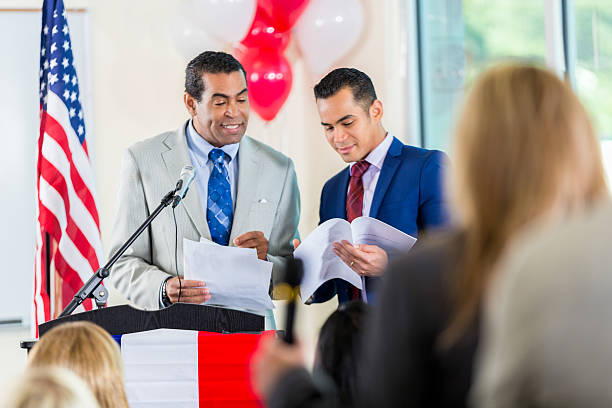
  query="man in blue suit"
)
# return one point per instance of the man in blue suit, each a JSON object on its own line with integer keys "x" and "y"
{"x": 398, "y": 184}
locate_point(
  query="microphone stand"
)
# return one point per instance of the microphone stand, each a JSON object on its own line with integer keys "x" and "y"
{"x": 89, "y": 289}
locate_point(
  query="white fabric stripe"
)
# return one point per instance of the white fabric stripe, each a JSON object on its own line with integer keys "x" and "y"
{"x": 38, "y": 309}
{"x": 51, "y": 199}
{"x": 57, "y": 109}
{"x": 53, "y": 152}
{"x": 162, "y": 405}
{"x": 161, "y": 368}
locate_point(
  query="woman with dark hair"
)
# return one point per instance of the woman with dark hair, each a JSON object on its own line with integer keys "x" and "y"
{"x": 336, "y": 367}
{"x": 337, "y": 354}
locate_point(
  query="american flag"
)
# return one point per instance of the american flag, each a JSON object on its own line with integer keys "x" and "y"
{"x": 66, "y": 208}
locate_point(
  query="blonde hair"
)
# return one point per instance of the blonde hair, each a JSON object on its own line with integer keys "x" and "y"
{"x": 524, "y": 149}
{"x": 90, "y": 352}
{"x": 51, "y": 387}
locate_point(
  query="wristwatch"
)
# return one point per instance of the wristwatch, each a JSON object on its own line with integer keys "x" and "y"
{"x": 164, "y": 296}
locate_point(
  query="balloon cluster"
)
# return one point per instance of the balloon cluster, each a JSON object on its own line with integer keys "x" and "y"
{"x": 259, "y": 32}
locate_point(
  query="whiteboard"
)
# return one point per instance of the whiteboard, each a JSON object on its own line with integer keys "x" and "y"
{"x": 19, "y": 66}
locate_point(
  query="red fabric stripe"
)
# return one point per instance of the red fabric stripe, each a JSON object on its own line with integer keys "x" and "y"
{"x": 49, "y": 222}
{"x": 56, "y": 131}
{"x": 57, "y": 181}
{"x": 223, "y": 369}
{"x": 70, "y": 277}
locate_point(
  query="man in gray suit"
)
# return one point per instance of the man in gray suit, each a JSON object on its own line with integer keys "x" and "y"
{"x": 245, "y": 193}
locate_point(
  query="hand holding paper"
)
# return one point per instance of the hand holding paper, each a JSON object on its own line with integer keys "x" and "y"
{"x": 325, "y": 251}
{"x": 366, "y": 260}
{"x": 235, "y": 277}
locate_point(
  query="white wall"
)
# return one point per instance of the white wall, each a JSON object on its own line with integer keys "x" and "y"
{"x": 137, "y": 91}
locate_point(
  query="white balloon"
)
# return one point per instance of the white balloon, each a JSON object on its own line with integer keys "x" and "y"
{"x": 327, "y": 31}
{"x": 226, "y": 20}
{"x": 190, "y": 39}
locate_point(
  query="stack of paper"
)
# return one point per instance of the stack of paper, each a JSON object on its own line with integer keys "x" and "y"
{"x": 235, "y": 277}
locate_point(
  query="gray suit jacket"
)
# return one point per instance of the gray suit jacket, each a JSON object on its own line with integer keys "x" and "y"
{"x": 267, "y": 200}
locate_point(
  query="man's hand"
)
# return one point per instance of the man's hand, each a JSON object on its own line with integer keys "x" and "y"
{"x": 273, "y": 359}
{"x": 366, "y": 260}
{"x": 253, "y": 239}
{"x": 191, "y": 291}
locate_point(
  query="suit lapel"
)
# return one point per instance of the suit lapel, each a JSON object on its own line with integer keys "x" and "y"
{"x": 175, "y": 158}
{"x": 339, "y": 206}
{"x": 390, "y": 165}
{"x": 249, "y": 179}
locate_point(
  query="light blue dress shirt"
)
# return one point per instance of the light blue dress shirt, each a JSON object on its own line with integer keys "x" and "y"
{"x": 198, "y": 153}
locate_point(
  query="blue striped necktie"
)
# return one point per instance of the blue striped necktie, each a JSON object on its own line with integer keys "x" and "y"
{"x": 219, "y": 206}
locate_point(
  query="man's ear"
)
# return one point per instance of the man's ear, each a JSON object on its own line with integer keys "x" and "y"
{"x": 190, "y": 103}
{"x": 376, "y": 110}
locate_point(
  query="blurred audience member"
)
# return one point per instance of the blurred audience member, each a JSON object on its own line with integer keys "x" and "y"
{"x": 525, "y": 153}
{"x": 51, "y": 387}
{"x": 90, "y": 352}
{"x": 547, "y": 335}
{"x": 338, "y": 348}
{"x": 279, "y": 369}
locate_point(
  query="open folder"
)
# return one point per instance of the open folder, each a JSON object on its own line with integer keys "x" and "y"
{"x": 322, "y": 264}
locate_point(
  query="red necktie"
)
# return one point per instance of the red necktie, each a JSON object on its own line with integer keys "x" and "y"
{"x": 354, "y": 198}
{"x": 354, "y": 203}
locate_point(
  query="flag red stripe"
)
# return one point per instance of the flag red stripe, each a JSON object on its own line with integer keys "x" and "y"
{"x": 49, "y": 223}
{"x": 56, "y": 180}
{"x": 70, "y": 276}
{"x": 56, "y": 131}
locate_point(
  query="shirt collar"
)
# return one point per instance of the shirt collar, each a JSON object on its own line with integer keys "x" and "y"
{"x": 201, "y": 147}
{"x": 377, "y": 156}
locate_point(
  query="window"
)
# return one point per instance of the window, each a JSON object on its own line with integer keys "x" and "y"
{"x": 459, "y": 40}
{"x": 593, "y": 67}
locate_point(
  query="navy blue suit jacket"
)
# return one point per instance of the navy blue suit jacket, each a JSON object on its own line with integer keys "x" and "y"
{"x": 409, "y": 196}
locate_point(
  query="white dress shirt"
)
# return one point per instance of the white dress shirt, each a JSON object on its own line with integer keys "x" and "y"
{"x": 376, "y": 158}
{"x": 369, "y": 179}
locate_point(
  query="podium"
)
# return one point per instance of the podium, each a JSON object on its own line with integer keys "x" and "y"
{"x": 185, "y": 355}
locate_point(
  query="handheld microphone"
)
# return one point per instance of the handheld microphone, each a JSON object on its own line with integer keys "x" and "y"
{"x": 293, "y": 278}
{"x": 187, "y": 176}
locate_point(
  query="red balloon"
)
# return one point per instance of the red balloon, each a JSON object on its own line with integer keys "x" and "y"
{"x": 269, "y": 80}
{"x": 284, "y": 13}
{"x": 263, "y": 34}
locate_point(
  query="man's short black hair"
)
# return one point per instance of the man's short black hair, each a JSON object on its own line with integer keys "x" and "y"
{"x": 359, "y": 83}
{"x": 212, "y": 62}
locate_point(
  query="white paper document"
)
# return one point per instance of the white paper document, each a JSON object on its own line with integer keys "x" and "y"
{"x": 322, "y": 264}
{"x": 235, "y": 277}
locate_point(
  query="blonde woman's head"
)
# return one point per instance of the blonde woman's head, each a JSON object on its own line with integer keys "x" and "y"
{"x": 524, "y": 151}
{"x": 51, "y": 387}
{"x": 524, "y": 146}
{"x": 91, "y": 353}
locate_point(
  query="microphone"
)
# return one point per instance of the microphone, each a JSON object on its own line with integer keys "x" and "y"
{"x": 293, "y": 278}
{"x": 187, "y": 176}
